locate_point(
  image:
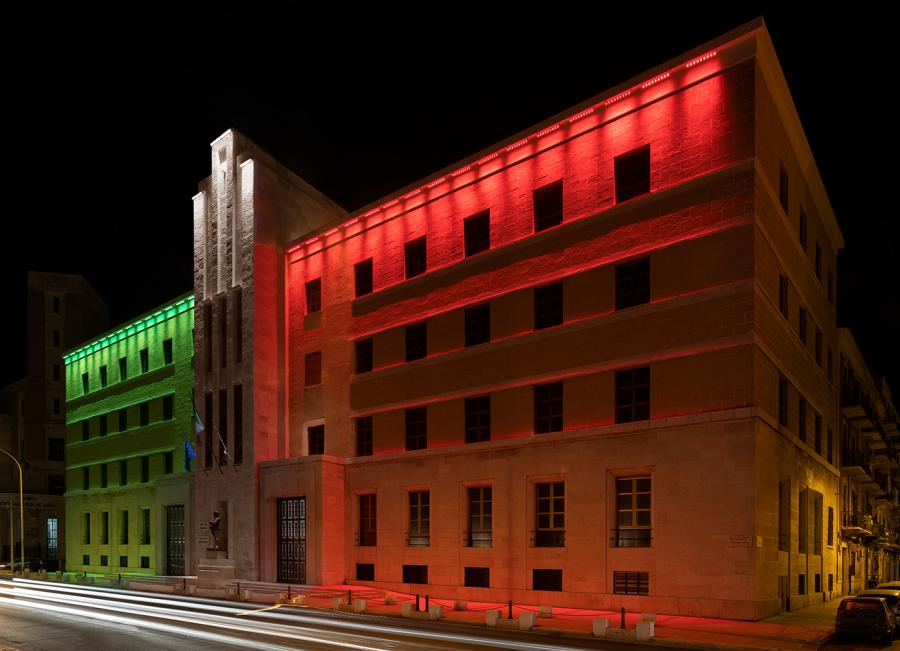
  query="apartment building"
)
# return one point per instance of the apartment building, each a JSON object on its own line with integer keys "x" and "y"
{"x": 592, "y": 365}
{"x": 129, "y": 423}
{"x": 62, "y": 310}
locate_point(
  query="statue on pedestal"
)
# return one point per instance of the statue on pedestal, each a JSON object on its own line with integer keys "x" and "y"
{"x": 215, "y": 529}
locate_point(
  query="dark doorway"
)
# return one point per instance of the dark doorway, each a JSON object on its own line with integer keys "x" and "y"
{"x": 175, "y": 540}
{"x": 292, "y": 540}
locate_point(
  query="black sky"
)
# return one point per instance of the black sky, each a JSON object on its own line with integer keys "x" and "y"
{"x": 110, "y": 117}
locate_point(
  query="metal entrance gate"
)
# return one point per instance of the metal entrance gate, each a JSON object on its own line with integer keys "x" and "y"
{"x": 175, "y": 540}
{"x": 292, "y": 540}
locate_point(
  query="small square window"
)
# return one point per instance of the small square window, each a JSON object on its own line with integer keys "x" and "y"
{"x": 415, "y": 574}
{"x": 548, "y": 408}
{"x": 416, "y": 258}
{"x": 314, "y": 296}
{"x": 167, "y": 352}
{"x": 633, "y": 395}
{"x": 478, "y": 419}
{"x": 365, "y": 571}
{"x": 548, "y": 306}
{"x": 632, "y": 172}
{"x": 416, "y": 341}
{"x": 548, "y": 206}
{"x": 547, "y": 580}
{"x": 145, "y": 360}
{"x": 477, "y": 577}
{"x": 315, "y": 435}
{"x": 478, "y": 325}
{"x": 477, "y": 233}
{"x": 364, "y": 436}
{"x": 364, "y": 355}
{"x": 103, "y": 376}
{"x": 123, "y": 561}
{"x": 313, "y": 369}
{"x": 416, "y": 428}
{"x": 633, "y": 284}
{"x": 362, "y": 273}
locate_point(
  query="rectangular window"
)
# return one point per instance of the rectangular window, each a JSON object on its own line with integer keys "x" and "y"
{"x": 315, "y": 438}
{"x": 550, "y": 516}
{"x": 86, "y": 528}
{"x": 364, "y": 436}
{"x": 477, "y": 577}
{"x": 144, "y": 409}
{"x": 123, "y": 369}
{"x": 818, "y": 434}
{"x": 168, "y": 407}
{"x": 222, "y": 434}
{"x": 818, "y": 262}
{"x": 85, "y": 559}
{"x": 633, "y": 512}
{"x": 783, "y": 295}
{"x": 365, "y": 355}
{"x": 145, "y": 469}
{"x": 783, "y": 197}
{"x": 784, "y": 513}
{"x": 56, "y": 485}
{"x": 817, "y": 347}
{"x": 802, "y": 521}
{"x": 168, "y": 358}
{"x": 123, "y": 419}
{"x": 829, "y": 369}
{"x": 801, "y": 422}
{"x": 415, "y": 256}
{"x": 367, "y": 520}
{"x": 207, "y": 334}
{"x": 362, "y": 274}
{"x": 631, "y": 583}
{"x": 238, "y": 413}
{"x": 830, "y": 532}
{"x": 419, "y": 519}
{"x": 477, "y": 233}
{"x": 633, "y": 395}
{"x": 478, "y": 419}
{"x": 802, "y": 326}
{"x": 365, "y": 571}
{"x": 86, "y": 478}
{"x": 85, "y": 383}
{"x": 207, "y": 429}
{"x": 104, "y": 528}
{"x": 803, "y": 228}
{"x": 104, "y": 475}
{"x": 830, "y": 287}
{"x": 817, "y": 525}
{"x": 817, "y": 582}
{"x": 223, "y": 332}
{"x": 313, "y": 369}
{"x": 104, "y": 424}
{"x": 548, "y": 408}
{"x": 314, "y": 296}
{"x": 145, "y": 526}
{"x": 123, "y": 472}
{"x": 123, "y": 561}
{"x": 548, "y": 206}
{"x": 632, "y": 174}
{"x": 633, "y": 284}
{"x": 783, "y": 401}
{"x": 829, "y": 445}
{"x": 548, "y": 306}
{"x": 56, "y": 406}
{"x": 85, "y": 429}
{"x": 104, "y": 560}
{"x": 145, "y": 360}
{"x": 417, "y": 428}
{"x": 481, "y": 526}
{"x": 546, "y": 580}
{"x": 52, "y": 538}
{"x": 416, "y": 341}
{"x": 104, "y": 378}
{"x": 145, "y": 562}
{"x": 415, "y": 574}
{"x": 478, "y": 325}
{"x": 801, "y": 583}
{"x": 168, "y": 462}
{"x": 123, "y": 527}
{"x": 238, "y": 326}
{"x": 56, "y": 449}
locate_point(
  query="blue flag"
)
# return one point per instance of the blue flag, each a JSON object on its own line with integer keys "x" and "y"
{"x": 189, "y": 450}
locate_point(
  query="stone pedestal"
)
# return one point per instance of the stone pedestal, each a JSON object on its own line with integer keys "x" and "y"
{"x": 215, "y": 571}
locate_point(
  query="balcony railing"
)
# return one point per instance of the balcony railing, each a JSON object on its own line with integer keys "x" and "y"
{"x": 418, "y": 540}
{"x": 548, "y": 538}
{"x": 478, "y": 538}
{"x": 631, "y": 537}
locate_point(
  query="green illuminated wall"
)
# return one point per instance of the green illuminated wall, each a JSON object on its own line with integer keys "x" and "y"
{"x": 158, "y": 418}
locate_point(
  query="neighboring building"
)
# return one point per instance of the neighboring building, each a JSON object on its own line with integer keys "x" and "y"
{"x": 592, "y": 365}
{"x": 129, "y": 417}
{"x": 870, "y": 473}
{"x": 62, "y": 310}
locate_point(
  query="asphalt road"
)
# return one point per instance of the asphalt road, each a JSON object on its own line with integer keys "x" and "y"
{"x": 49, "y": 616}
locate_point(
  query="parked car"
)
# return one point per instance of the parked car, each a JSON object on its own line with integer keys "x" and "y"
{"x": 891, "y": 598}
{"x": 33, "y": 564}
{"x": 865, "y": 616}
{"x": 890, "y": 585}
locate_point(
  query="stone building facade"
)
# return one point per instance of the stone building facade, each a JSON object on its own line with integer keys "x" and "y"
{"x": 592, "y": 365}
{"x": 129, "y": 420}
{"x": 62, "y": 310}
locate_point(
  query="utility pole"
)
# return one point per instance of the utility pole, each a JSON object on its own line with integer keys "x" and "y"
{"x": 21, "y": 516}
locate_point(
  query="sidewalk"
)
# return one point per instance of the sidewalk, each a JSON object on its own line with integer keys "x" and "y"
{"x": 804, "y": 629}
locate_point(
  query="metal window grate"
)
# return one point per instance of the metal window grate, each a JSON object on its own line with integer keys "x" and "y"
{"x": 631, "y": 583}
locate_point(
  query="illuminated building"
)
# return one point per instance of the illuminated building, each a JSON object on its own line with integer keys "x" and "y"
{"x": 128, "y": 418}
{"x": 592, "y": 365}
{"x": 62, "y": 309}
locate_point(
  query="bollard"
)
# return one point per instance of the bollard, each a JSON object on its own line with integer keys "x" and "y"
{"x": 349, "y": 597}
{"x": 510, "y": 609}
{"x": 289, "y": 590}
{"x": 426, "y": 603}
{"x": 417, "y": 602}
{"x": 623, "y": 618}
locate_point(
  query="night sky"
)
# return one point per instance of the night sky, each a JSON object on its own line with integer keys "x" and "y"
{"x": 112, "y": 116}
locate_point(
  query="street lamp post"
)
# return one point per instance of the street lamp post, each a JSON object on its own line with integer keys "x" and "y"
{"x": 21, "y": 516}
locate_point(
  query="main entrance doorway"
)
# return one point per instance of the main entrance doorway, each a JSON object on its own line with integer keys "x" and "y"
{"x": 175, "y": 540}
{"x": 292, "y": 540}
